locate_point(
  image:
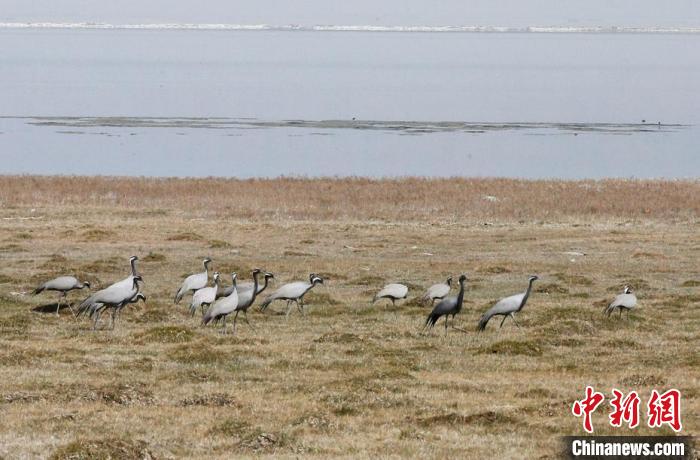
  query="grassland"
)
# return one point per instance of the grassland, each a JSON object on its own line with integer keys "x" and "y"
{"x": 350, "y": 379}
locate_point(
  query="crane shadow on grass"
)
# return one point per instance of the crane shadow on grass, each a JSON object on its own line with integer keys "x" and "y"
{"x": 50, "y": 308}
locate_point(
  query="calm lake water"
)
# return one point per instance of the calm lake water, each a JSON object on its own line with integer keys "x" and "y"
{"x": 270, "y": 103}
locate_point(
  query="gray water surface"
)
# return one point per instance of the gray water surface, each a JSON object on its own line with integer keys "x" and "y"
{"x": 269, "y": 103}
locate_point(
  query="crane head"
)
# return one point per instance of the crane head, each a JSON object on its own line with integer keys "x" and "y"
{"x": 462, "y": 278}
{"x": 533, "y": 278}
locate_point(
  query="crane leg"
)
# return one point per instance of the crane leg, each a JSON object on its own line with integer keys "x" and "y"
{"x": 393, "y": 302}
{"x": 446, "y": 316}
{"x": 58, "y": 304}
{"x": 114, "y": 314}
{"x": 513, "y": 318}
{"x": 503, "y": 321}
{"x": 97, "y": 320}
{"x": 71, "y": 310}
{"x": 289, "y": 307}
{"x": 223, "y": 327}
{"x": 235, "y": 320}
{"x": 620, "y": 317}
{"x": 245, "y": 316}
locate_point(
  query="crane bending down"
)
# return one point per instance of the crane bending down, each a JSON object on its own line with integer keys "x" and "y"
{"x": 194, "y": 282}
{"x": 446, "y": 307}
{"x": 62, "y": 285}
{"x": 437, "y": 292}
{"x": 508, "y": 306}
{"x": 392, "y": 292}
{"x": 293, "y": 292}
{"x": 625, "y": 301}
{"x": 116, "y": 310}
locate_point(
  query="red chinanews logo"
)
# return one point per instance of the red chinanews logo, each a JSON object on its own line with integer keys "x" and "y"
{"x": 662, "y": 409}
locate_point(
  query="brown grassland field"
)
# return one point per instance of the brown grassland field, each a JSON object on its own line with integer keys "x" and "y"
{"x": 350, "y": 379}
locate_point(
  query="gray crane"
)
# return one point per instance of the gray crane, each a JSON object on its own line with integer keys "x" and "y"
{"x": 205, "y": 296}
{"x": 116, "y": 310}
{"x": 293, "y": 292}
{"x": 449, "y": 306}
{"x": 247, "y": 285}
{"x": 194, "y": 282}
{"x": 508, "y": 306}
{"x": 437, "y": 291}
{"x": 222, "y": 307}
{"x": 625, "y": 301}
{"x": 62, "y": 285}
{"x": 114, "y": 296}
{"x": 392, "y": 292}
{"x": 128, "y": 281}
{"x": 245, "y": 300}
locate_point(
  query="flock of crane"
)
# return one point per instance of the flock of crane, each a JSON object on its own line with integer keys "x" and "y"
{"x": 217, "y": 302}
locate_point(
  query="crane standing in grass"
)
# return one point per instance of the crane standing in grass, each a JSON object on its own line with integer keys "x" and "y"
{"x": 222, "y": 307}
{"x": 625, "y": 301}
{"x": 245, "y": 300}
{"x": 115, "y": 296}
{"x": 205, "y": 296}
{"x": 508, "y": 306}
{"x": 392, "y": 292}
{"x": 194, "y": 282}
{"x": 246, "y": 286}
{"x": 62, "y": 285}
{"x": 293, "y": 292}
{"x": 437, "y": 292}
{"x": 446, "y": 307}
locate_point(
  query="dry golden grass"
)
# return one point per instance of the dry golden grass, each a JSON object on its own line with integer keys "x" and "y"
{"x": 350, "y": 379}
{"x": 401, "y": 200}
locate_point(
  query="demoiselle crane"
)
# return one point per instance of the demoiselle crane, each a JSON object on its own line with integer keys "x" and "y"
{"x": 129, "y": 280}
{"x": 205, "y": 296}
{"x": 110, "y": 297}
{"x": 437, "y": 292}
{"x": 247, "y": 285}
{"x": 446, "y": 307}
{"x": 392, "y": 292}
{"x": 116, "y": 310}
{"x": 62, "y": 285}
{"x": 293, "y": 292}
{"x": 625, "y": 301}
{"x": 222, "y": 307}
{"x": 508, "y": 306}
{"x": 194, "y": 282}
{"x": 245, "y": 300}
